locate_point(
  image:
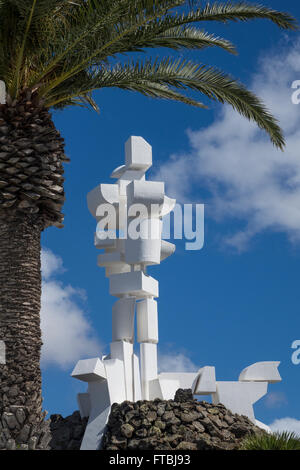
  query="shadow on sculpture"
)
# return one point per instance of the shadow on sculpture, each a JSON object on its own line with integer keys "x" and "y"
{"x": 122, "y": 375}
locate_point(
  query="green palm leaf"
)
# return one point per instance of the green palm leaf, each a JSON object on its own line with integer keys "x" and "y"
{"x": 237, "y": 11}
{"x": 62, "y": 50}
{"x": 187, "y": 37}
{"x": 155, "y": 79}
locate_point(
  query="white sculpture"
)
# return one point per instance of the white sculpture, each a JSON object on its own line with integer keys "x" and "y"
{"x": 122, "y": 375}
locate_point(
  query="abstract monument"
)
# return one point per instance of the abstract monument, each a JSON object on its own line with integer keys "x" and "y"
{"x": 130, "y": 244}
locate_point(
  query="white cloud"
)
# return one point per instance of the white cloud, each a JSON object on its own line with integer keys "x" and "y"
{"x": 246, "y": 177}
{"x": 286, "y": 424}
{"x": 50, "y": 263}
{"x": 175, "y": 362}
{"x": 275, "y": 399}
{"x": 66, "y": 332}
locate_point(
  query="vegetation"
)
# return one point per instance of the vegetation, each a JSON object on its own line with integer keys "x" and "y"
{"x": 275, "y": 441}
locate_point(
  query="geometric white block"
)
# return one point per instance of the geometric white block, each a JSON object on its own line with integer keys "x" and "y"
{"x": 135, "y": 283}
{"x": 263, "y": 426}
{"x": 2, "y": 353}
{"x": 167, "y": 249}
{"x": 125, "y": 176}
{"x": 99, "y": 413}
{"x": 167, "y": 206}
{"x": 205, "y": 382}
{"x": 115, "y": 380}
{"x": 84, "y": 404}
{"x": 146, "y": 249}
{"x": 89, "y": 370}
{"x": 261, "y": 372}
{"x": 137, "y": 390}
{"x": 123, "y": 320}
{"x": 239, "y": 397}
{"x": 148, "y": 193}
{"x": 123, "y": 351}
{"x": 148, "y": 358}
{"x": 163, "y": 388}
{"x": 138, "y": 154}
{"x": 102, "y": 194}
{"x": 155, "y": 389}
{"x": 102, "y": 243}
{"x": 109, "y": 259}
{"x": 113, "y": 263}
{"x": 117, "y": 269}
{"x": 185, "y": 379}
{"x": 94, "y": 432}
{"x": 2, "y": 92}
{"x": 169, "y": 388}
{"x": 147, "y": 321}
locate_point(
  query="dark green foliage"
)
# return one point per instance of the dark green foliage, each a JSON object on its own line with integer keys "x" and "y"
{"x": 62, "y": 49}
{"x": 276, "y": 441}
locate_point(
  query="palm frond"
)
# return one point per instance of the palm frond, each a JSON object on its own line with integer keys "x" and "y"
{"x": 19, "y": 61}
{"x": 158, "y": 78}
{"x": 63, "y": 49}
{"x": 188, "y": 37}
{"x": 96, "y": 32}
{"x": 234, "y": 11}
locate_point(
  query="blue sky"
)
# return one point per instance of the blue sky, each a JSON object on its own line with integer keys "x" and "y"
{"x": 237, "y": 300}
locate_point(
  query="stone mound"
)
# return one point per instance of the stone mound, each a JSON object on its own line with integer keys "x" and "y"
{"x": 67, "y": 433}
{"x": 180, "y": 424}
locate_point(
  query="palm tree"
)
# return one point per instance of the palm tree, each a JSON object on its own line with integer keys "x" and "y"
{"x": 53, "y": 54}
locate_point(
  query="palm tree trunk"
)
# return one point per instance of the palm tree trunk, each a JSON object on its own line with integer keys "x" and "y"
{"x": 31, "y": 198}
{"x": 20, "y": 293}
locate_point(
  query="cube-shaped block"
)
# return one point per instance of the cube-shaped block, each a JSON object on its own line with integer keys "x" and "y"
{"x": 143, "y": 243}
{"x": 205, "y": 382}
{"x": 89, "y": 370}
{"x": 117, "y": 269}
{"x": 101, "y": 195}
{"x": 135, "y": 283}
{"x": 125, "y": 176}
{"x": 147, "y": 321}
{"x": 84, "y": 404}
{"x": 98, "y": 416}
{"x": 137, "y": 390}
{"x": 261, "y": 372}
{"x": 185, "y": 379}
{"x": 148, "y": 358}
{"x": 144, "y": 252}
{"x": 168, "y": 206}
{"x": 123, "y": 320}
{"x": 104, "y": 243}
{"x": 138, "y": 153}
{"x": 115, "y": 380}
{"x": 123, "y": 351}
{"x": 163, "y": 388}
{"x": 239, "y": 397}
{"x": 109, "y": 259}
{"x": 113, "y": 263}
{"x": 167, "y": 249}
{"x": 146, "y": 193}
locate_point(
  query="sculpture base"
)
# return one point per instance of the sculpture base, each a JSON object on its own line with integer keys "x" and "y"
{"x": 116, "y": 379}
